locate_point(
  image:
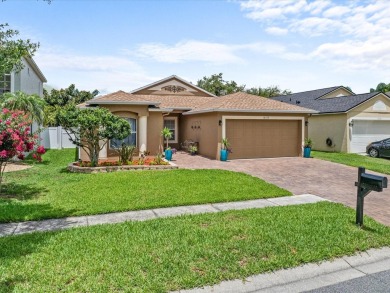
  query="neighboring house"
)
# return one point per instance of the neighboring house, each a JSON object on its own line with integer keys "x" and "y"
{"x": 29, "y": 80}
{"x": 345, "y": 122}
{"x": 255, "y": 126}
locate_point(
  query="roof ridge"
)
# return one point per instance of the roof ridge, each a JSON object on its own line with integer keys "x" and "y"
{"x": 333, "y": 87}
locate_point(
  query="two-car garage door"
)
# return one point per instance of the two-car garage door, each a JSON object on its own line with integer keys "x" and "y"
{"x": 251, "y": 138}
{"x": 367, "y": 131}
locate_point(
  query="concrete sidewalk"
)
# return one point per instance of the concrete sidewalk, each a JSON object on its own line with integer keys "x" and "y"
{"x": 9, "y": 229}
{"x": 309, "y": 276}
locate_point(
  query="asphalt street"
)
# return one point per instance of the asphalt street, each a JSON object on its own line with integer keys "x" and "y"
{"x": 373, "y": 283}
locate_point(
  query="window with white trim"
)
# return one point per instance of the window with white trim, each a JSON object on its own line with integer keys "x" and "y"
{"x": 130, "y": 140}
{"x": 5, "y": 83}
{"x": 171, "y": 123}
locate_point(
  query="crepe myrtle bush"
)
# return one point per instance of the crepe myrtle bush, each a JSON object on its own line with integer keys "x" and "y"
{"x": 16, "y": 138}
{"x": 92, "y": 128}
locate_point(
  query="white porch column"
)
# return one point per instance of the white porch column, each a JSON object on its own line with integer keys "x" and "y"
{"x": 103, "y": 152}
{"x": 142, "y": 132}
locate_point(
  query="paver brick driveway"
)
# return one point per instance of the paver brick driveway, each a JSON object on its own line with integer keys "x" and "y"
{"x": 329, "y": 180}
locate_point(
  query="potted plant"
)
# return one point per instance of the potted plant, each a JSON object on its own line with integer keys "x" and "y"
{"x": 193, "y": 150}
{"x": 167, "y": 134}
{"x": 225, "y": 150}
{"x": 307, "y": 147}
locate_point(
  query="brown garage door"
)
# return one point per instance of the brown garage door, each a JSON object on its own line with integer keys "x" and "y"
{"x": 263, "y": 138}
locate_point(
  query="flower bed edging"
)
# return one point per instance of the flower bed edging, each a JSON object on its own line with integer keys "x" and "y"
{"x": 106, "y": 169}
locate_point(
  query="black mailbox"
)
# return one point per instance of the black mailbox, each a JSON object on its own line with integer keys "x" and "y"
{"x": 366, "y": 183}
{"x": 373, "y": 182}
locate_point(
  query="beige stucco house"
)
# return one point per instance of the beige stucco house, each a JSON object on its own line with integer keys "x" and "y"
{"x": 345, "y": 122}
{"x": 255, "y": 126}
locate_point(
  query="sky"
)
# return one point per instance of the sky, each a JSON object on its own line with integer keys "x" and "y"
{"x": 122, "y": 45}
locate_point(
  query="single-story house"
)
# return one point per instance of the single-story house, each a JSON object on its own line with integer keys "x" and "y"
{"x": 345, "y": 122}
{"x": 255, "y": 126}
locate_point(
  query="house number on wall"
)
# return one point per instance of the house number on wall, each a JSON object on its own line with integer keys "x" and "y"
{"x": 265, "y": 117}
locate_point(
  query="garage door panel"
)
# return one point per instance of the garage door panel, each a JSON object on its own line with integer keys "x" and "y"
{"x": 263, "y": 139}
{"x": 367, "y": 131}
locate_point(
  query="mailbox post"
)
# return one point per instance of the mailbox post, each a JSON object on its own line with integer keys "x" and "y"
{"x": 366, "y": 183}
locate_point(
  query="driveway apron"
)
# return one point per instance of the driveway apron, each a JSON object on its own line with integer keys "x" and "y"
{"x": 329, "y": 180}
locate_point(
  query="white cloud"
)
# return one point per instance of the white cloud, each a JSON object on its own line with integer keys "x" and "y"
{"x": 267, "y": 9}
{"x": 336, "y": 11}
{"x": 84, "y": 63}
{"x": 363, "y": 28}
{"x": 316, "y": 7}
{"x": 189, "y": 51}
{"x": 209, "y": 52}
{"x": 352, "y": 17}
{"x": 278, "y": 31}
{"x": 369, "y": 54}
{"x": 103, "y": 72}
{"x": 316, "y": 26}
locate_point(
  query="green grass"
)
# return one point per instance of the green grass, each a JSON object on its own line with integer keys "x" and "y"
{"x": 48, "y": 190}
{"x": 183, "y": 252}
{"x": 380, "y": 165}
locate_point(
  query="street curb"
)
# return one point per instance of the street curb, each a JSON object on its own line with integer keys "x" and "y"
{"x": 307, "y": 277}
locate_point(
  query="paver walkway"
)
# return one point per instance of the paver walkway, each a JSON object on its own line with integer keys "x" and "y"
{"x": 70, "y": 222}
{"x": 329, "y": 180}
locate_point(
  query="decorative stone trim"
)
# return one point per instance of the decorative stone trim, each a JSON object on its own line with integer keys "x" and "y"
{"x": 106, "y": 169}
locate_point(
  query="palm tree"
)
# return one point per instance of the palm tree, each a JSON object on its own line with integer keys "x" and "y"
{"x": 167, "y": 134}
{"x": 32, "y": 105}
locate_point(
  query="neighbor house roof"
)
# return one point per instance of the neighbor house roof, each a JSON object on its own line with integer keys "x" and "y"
{"x": 170, "y": 102}
{"x": 313, "y": 100}
{"x": 243, "y": 102}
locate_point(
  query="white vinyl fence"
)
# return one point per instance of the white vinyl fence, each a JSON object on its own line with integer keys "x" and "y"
{"x": 55, "y": 138}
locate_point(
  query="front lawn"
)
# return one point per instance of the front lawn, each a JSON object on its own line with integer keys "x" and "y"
{"x": 380, "y": 165}
{"x": 48, "y": 190}
{"x": 183, "y": 252}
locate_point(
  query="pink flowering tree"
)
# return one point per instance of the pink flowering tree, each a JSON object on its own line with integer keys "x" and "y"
{"x": 16, "y": 138}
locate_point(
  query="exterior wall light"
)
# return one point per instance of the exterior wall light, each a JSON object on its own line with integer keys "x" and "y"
{"x": 306, "y": 123}
{"x": 220, "y": 122}
{"x": 350, "y": 123}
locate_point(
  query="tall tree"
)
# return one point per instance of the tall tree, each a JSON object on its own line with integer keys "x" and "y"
{"x": 57, "y": 99}
{"x": 12, "y": 50}
{"x": 216, "y": 85}
{"x": 92, "y": 128}
{"x": 268, "y": 92}
{"x": 381, "y": 87}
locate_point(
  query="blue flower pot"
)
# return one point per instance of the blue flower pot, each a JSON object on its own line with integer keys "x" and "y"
{"x": 168, "y": 155}
{"x": 306, "y": 152}
{"x": 224, "y": 155}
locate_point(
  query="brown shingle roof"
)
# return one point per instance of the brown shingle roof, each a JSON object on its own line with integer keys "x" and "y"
{"x": 239, "y": 102}
{"x": 120, "y": 97}
{"x": 178, "y": 102}
{"x": 175, "y": 102}
{"x": 243, "y": 102}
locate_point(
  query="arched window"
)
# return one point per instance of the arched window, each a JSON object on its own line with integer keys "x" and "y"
{"x": 131, "y": 139}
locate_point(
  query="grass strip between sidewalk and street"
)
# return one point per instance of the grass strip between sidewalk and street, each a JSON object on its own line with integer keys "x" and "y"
{"x": 183, "y": 252}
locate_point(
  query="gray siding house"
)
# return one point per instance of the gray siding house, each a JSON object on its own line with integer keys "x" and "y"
{"x": 29, "y": 80}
